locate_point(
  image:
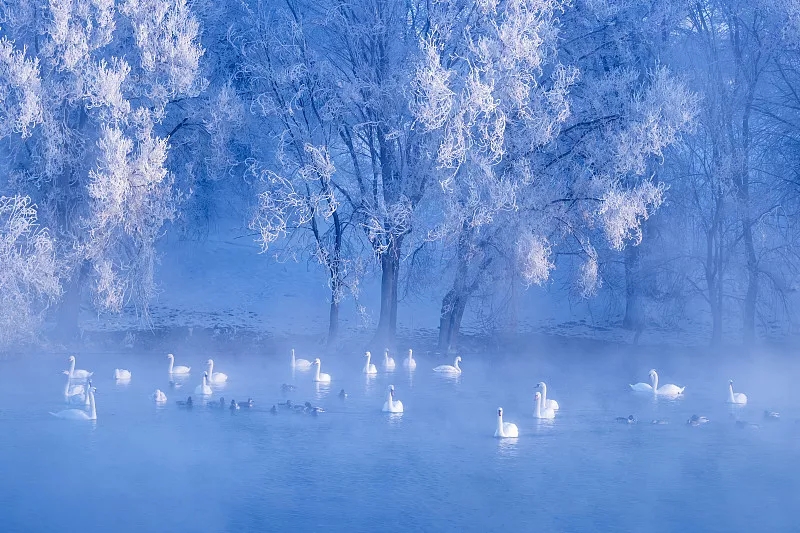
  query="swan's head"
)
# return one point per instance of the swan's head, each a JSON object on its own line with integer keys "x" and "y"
{"x": 71, "y": 359}
{"x": 730, "y": 382}
{"x": 537, "y": 396}
{"x": 458, "y": 359}
{"x": 205, "y": 375}
{"x": 386, "y": 352}
{"x": 652, "y": 374}
{"x": 170, "y": 356}
{"x": 539, "y": 385}
{"x": 316, "y": 361}
{"x": 65, "y": 372}
{"x": 210, "y": 362}
{"x": 391, "y": 390}
{"x": 367, "y": 354}
{"x": 499, "y": 411}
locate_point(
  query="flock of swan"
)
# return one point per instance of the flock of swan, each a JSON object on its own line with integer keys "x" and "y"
{"x": 78, "y": 390}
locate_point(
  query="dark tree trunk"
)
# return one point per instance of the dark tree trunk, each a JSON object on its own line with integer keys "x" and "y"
{"x": 390, "y": 269}
{"x": 634, "y": 308}
{"x": 333, "y": 321}
{"x": 751, "y": 297}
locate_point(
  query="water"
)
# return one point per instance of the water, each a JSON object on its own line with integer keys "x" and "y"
{"x": 435, "y": 468}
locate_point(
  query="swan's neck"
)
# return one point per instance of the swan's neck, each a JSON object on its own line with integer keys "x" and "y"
{"x": 92, "y": 407}
{"x": 293, "y": 357}
{"x": 655, "y": 382}
{"x": 538, "y": 407}
{"x": 386, "y": 356}
{"x": 71, "y": 367}
{"x": 319, "y": 366}
{"x": 210, "y": 368}
{"x": 500, "y": 426}
{"x": 456, "y": 363}
{"x": 410, "y": 356}
{"x": 730, "y": 391}
{"x": 390, "y": 400}
{"x": 544, "y": 394}
{"x": 171, "y": 364}
{"x": 66, "y": 388}
{"x": 369, "y": 358}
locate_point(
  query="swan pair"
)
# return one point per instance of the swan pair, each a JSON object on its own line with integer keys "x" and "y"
{"x": 450, "y": 369}
{"x": 388, "y": 363}
{"x": 540, "y": 411}
{"x": 80, "y": 414}
{"x": 391, "y": 405}
{"x": 505, "y": 430}
{"x": 665, "y": 390}
{"x": 75, "y": 394}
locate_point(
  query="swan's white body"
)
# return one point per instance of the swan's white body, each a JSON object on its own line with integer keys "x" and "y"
{"x": 391, "y": 405}
{"x": 122, "y": 374}
{"x": 540, "y": 411}
{"x": 80, "y": 414}
{"x": 300, "y": 364}
{"x": 369, "y": 368}
{"x": 409, "y": 362}
{"x": 203, "y": 389}
{"x": 644, "y": 387}
{"x": 215, "y": 377}
{"x": 665, "y": 390}
{"x": 77, "y": 373}
{"x": 388, "y": 362}
{"x": 159, "y": 397}
{"x": 738, "y": 398}
{"x": 546, "y": 402}
{"x": 320, "y": 377}
{"x": 450, "y": 369}
{"x": 505, "y": 430}
{"x": 180, "y": 369}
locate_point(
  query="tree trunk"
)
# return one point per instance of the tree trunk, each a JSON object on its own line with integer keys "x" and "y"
{"x": 751, "y": 297}
{"x": 333, "y": 321}
{"x": 634, "y": 308}
{"x": 390, "y": 269}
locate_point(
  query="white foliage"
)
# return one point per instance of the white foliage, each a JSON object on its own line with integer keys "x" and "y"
{"x": 104, "y": 88}
{"x": 623, "y": 210}
{"x": 533, "y": 252}
{"x": 76, "y": 29}
{"x": 20, "y": 91}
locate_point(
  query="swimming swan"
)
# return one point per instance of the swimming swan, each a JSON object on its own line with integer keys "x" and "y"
{"x": 320, "y": 377}
{"x": 369, "y": 368}
{"x": 738, "y": 398}
{"x": 644, "y": 387}
{"x": 542, "y": 412}
{"x": 180, "y": 369}
{"x": 77, "y": 374}
{"x": 505, "y": 430}
{"x": 215, "y": 377}
{"x": 454, "y": 369}
{"x": 388, "y": 362}
{"x": 122, "y": 374}
{"x": 159, "y": 397}
{"x": 204, "y": 389}
{"x": 546, "y": 402}
{"x": 409, "y": 362}
{"x": 391, "y": 405}
{"x": 665, "y": 390}
{"x": 300, "y": 364}
{"x": 80, "y": 414}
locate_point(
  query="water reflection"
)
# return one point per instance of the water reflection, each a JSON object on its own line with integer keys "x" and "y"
{"x": 507, "y": 447}
{"x": 321, "y": 390}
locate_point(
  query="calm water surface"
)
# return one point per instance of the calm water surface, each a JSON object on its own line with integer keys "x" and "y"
{"x": 434, "y": 468}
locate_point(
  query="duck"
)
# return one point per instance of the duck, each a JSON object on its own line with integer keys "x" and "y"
{"x": 388, "y": 362}
{"x": 300, "y": 364}
{"x": 217, "y": 405}
{"x": 234, "y": 406}
{"x": 311, "y": 409}
{"x": 644, "y": 387}
{"x": 342, "y": 395}
{"x": 542, "y": 412}
{"x": 186, "y": 404}
{"x": 505, "y": 430}
{"x": 320, "y": 377}
{"x": 391, "y": 405}
{"x": 274, "y": 410}
{"x": 203, "y": 389}
{"x": 450, "y": 369}
{"x": 120, "y": 374}
{"x": 80, "y": 414}
{"x": 180, "y": 370}
{"x": 215, "y": 377}
{"x": 369, "y": 368}
{"x": 695, "y": 420}
{"x": 737, "y": 398}
{"x": 287, "y": 404}
{"x": 630, "y": 419}
{"x": 159, "y": 397}
{"x": 546, "y": 402}
{"x": 665, "y": 390}
{"x": 409, "y": 362}
{"x": 77, "y": 373}
{"x": 248, "y": 404}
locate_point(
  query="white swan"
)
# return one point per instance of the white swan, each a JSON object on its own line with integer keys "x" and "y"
{"x": 74, "y": 394}
{"x": 388, "y": 362}
{"x": 391, "y": 405}
{"x": 542, "y": 412}
{"x": 77, "y": 374}
{"x": 320, "y": 377}
{"x": 738, "y": 398}
{"x": 409, "y": 362}
{"x": 121, "y": 374}
{"x": 215, "y": 377}
{"x": 180, "y": 369}
{"x": 665, "y": 390}
{"x": 644, "y": 387}
{"x": 159, "y": 397}
{"x": 546, "y": 402}
{"x": 369, "y": 368}
{"x": 300, "y": 364}
{"x": 80, "y": 414}
{"x": 450, "y": 369}
{"x": 203, "y": 389}
{"x": 505, "y": 430}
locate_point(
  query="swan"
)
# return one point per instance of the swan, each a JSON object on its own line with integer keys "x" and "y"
{"x": 369, "y": 368}
{"x": 644, "y": 387}
{"x": 454, "y": 369}
{"x": 552, "y": 404}
{"x": 738, "y": 398}
{"x": 159, "y": 397}
{"x": 388, "y": 362}
{"x": 80, "y": 414}
{"x": 320, "y": 377}
{"x": 391, "y": 405}
{"x": 665, "y": 390}
{"x": 77, "y": 374}
{"x": 300, "y": 364}
{"x": 409, "y": 362}
{"x": 215, "y": 377}
{"x": 203, "y": 389}
{"x": 121, "y": 374}
{"x": 74, "y": 394}
{"x": 180, "y": 369}
{"x": 542, "y": 412}
{"x": 505, "y": 430}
